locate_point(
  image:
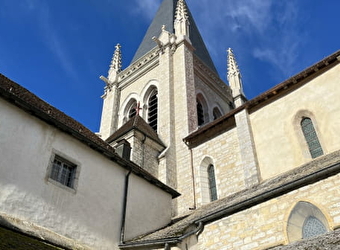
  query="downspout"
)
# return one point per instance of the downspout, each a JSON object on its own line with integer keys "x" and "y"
{"x": 197, "y": 231}
{"x": 166, "y": 242}
{"x": 143, "y": 151}
{"x": 193, "y": 179}
{"x": 126, "y": 188}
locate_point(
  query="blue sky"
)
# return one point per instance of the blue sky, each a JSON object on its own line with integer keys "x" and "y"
{"x": 58, "y": 48}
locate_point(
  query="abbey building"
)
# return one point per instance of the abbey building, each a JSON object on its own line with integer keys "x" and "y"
{"x": 182, "y": 160}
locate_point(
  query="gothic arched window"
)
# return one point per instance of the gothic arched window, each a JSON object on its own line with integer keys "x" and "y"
{"x": 153, "y": 110}
{"x": 200, "y": 113}
{"x": 311, "y": 137}
{"x": 306, "y": 221}
{"x": 212, "y": 183}
{"x": 216, "y": 113}
{"x": 133, "y": 110}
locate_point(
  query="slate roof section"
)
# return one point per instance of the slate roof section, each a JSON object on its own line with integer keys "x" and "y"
{"x": 139, "y": 124}
{"x": 308, "y": 174}
{"x": 27, "y": 101}
{"x": 166, "y": 16}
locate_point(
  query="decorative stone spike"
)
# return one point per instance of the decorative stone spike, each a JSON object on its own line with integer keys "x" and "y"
{"x": 233, "y": 69}
{"x": 234, "y": 79}
{"x": 181, "y": 22}
{"x": 181, "y": 11}
{"x": 116, "y": 63}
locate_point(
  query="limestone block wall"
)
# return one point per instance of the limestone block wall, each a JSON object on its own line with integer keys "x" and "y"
{"x": 185, "y": 122}
{"x": 279, "y": 143}
{"x": 224, "y": 152}
{"x": 265, "y": 225}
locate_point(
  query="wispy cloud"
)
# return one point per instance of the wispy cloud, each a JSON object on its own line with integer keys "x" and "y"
{"x": 53, "y": 41}
{"x": 146, "y": 8}
{"x": 266, "y": 29}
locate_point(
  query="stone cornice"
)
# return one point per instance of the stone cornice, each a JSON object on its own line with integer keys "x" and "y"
{"x": 140, "y": 67}
{"x": 212, "y": 78}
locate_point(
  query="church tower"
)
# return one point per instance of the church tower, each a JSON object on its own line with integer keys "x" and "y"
{"x": 170, "y": 89}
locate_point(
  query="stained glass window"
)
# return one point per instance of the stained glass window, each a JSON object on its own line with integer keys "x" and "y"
{"x": 212, "y": 183}
{"x": 312, "y": 227}
{"x": 311, "y": 137}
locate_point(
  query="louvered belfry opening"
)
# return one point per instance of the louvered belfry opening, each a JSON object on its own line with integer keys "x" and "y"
{"x": 200, "y": 113}
{"x": 133, "y": 110}
{"x": 153, "y": 110}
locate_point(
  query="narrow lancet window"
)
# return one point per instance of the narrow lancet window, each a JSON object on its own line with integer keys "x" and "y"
{"x": 212, "y": 183}
{"x": 132, "y": 110}
{"x": 200, "y": 113}
{"x": 216, "y": 113}
{"x": 153, "y": 110}
{"x": 311, "y": 137}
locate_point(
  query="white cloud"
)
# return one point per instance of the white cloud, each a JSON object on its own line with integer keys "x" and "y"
{"x": 146, "y": 8}
{"x": 267, "y": 30}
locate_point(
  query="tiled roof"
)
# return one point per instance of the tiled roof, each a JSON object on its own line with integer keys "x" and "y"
{"x": 312, "y": 172}
{"x": 137, "y": 123}
{"x": 13, "y": 240}
{"x": 166, "y": 16}
{"x": 24, "y": 99}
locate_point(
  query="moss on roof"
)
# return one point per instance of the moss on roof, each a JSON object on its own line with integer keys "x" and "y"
{"x": 11, "y": 240}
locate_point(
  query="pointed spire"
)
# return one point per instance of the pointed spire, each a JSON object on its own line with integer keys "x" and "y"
{"x": 234, "y": 79}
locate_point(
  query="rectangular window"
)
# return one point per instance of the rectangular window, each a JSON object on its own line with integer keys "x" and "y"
{"x": 63, "y": 171}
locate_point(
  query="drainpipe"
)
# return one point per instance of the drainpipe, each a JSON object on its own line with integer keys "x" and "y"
{"x": 143, "y": 151}
{"x": 193, "y": 179}
{"x": 126, "y": 188}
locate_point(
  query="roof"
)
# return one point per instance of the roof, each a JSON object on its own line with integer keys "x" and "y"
{"x": 139, "y": 124}
{"x": 13, "y": 240}
{"x": 19, "y": 234}
{"x": 329, "y": 241}
{"x": 27, "y": 101}
{"x": 166, "y": 16}
{"x": 265, "y": 98}
{"x": 312, "y": 172}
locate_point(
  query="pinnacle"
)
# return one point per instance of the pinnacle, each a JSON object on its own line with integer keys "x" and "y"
{"x": 181, "y": 11}
{"x": 116, "y": 63}
{"x": 233, "y": 68}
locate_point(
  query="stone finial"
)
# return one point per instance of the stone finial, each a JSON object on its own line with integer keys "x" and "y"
{"x": 181, "y": 11}
{"x": 233, "y": 69}
{"x": 234, "y": 79}
{"x": 116, "y": 63}
{"x": 181, "y": 22}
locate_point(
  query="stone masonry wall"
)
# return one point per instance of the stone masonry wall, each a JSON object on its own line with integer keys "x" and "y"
{"x": 264, "y": 225}
{"x": 224, "y": 152}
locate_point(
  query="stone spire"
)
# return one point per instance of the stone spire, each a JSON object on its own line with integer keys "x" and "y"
{"x": 234, "y": 79}
{"x": 182, "y": 23}
{"x": 116, "y": 64}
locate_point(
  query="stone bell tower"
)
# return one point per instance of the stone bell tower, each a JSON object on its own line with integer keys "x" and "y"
{"x": 173, "y": 82}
